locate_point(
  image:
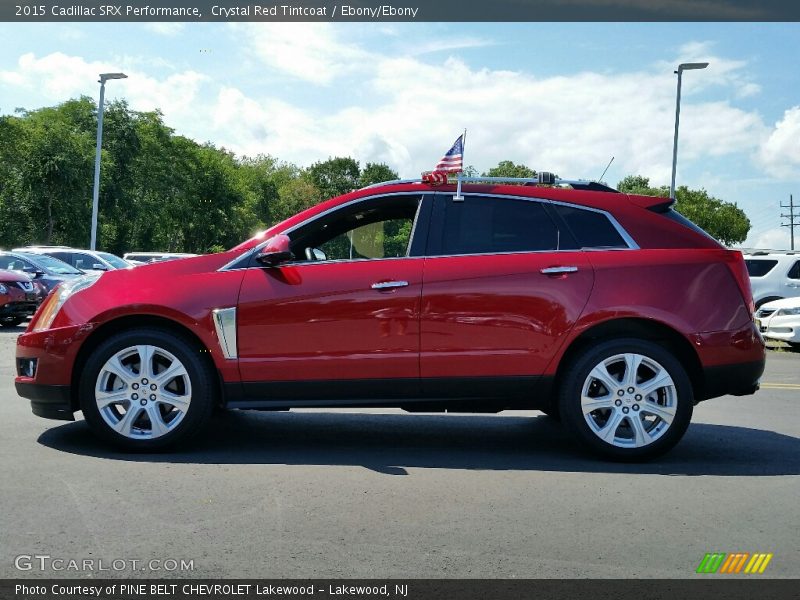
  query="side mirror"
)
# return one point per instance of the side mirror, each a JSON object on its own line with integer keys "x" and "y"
{"x": 37, "y": 273}
{"x": 99, "y": 267}
{"x": 275, "y": 251}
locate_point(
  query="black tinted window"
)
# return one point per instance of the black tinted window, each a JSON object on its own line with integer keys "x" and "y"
{"x": 488, "y": 225}
{"x": 591, "y": 229}
{"x": 794, "y": 272}
{"x": 759, "y": 268}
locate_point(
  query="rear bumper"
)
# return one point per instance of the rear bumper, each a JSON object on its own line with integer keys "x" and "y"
{"x": 740, "y": 379}
{"x": 732, "y": 362}
{"x": 48, "y": 401}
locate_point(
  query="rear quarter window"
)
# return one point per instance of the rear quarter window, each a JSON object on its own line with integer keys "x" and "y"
{"x": 794, "y": 272}
{"x": 759, "y": 267}
{"x": 591, "y": 229}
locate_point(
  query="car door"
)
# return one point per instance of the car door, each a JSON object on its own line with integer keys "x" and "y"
{"x": 503, "y": 284}
{"x": 342, "y": 320}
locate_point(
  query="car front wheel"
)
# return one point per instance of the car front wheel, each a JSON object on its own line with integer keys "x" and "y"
{"x": 627, "y": 399}
{"x": 146, "y": 390}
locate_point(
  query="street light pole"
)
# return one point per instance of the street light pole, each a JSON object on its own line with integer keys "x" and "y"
{"x": 96, "y": 190}
{"x": 681, "y": 68}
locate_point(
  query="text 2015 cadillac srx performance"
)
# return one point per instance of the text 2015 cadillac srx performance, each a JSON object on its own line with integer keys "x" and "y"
{"x": 583, "y": 302}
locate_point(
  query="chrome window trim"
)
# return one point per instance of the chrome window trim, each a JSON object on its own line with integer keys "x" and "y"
{"x": 631, "y": 243}
{"x": 225, "y": 326}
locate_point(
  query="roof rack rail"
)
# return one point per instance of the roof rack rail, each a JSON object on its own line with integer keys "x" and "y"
{"x": 543, "y": 178}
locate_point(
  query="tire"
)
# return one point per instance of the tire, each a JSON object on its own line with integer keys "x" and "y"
{"x": 594, "y": 397}
{"x": 10, "y": 321}
{"x": 172, "y": 400}
{"x": 763, "y": 301}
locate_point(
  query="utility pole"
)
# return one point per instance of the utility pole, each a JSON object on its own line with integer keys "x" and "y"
{"x": 791, "y": 216}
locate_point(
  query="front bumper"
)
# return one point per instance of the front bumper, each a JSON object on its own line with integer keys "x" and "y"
{"x": 18, "y": 309}
{"x": 48, "y": 385}
{"x": 785, "y": 328}
{"x": 48, "y": 401}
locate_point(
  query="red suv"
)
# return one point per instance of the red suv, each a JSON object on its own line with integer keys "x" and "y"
{"x": 19, "y": 297}
{"x": 582, "y": 302}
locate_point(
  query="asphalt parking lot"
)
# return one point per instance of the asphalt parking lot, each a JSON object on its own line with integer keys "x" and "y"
{"x": 388, "y": 494}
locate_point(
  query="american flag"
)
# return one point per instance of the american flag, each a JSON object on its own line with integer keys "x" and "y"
{"x": 452, "y": 162}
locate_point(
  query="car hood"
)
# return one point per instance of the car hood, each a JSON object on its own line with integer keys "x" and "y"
{"x": 168, "y": 268}
{"x": 782, "y": 303}
{"x": 13, "y": 276}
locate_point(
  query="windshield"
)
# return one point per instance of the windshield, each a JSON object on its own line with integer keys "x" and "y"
{"x": 114, "y": 260}
{"x": 52, "y": 264}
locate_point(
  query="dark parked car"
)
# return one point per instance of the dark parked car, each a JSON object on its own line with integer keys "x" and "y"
{"x": 586, "y": 303}
{"x": 44, "y": 269}
{"x": 84, "y": 260}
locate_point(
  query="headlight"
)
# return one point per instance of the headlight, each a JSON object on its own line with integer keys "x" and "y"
{"x": 59, "y": 296}
{"x": 3, "y": 289}
{"x": 787, "y": 311}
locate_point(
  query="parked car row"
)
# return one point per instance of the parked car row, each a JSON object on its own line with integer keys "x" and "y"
{"x": 29, "y": 274}
{"x": 773, "y": 275}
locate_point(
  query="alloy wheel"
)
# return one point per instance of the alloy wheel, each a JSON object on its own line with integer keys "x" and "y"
{"x": 143, "y": 392}
{"x": 629, "y": 400}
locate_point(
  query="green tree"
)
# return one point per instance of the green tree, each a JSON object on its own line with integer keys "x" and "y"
{"x": 376, "y": 173}
{"x": 507, "y": 168}
{"x": 725, "y": 221}
{"x": 335, "y": 176}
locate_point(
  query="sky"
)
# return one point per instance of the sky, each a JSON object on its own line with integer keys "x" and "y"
{"x": 557, "y": 97}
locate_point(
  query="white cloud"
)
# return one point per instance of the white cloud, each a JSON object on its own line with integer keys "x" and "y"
{"x": 568, "y": 124}
{"x": 771, "y": 239}
{"x": 312, "y": 52}
{"x": 409, "y": 110}
{"x": 720, "y": 71}
{"x": 169, "y": 29}
{"x": 444, "y": 44}
{"x": 57, "y": 77}
{"x": 780, "y": 152}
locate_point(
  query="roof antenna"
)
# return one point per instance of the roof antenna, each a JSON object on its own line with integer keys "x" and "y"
{"x": 606, "y": 169}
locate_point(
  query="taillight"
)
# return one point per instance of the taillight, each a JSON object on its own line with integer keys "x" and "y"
{"x": 739, "y": 269}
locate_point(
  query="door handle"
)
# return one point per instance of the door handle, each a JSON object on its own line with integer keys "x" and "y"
{"x": 794, "y": 285}
{"x": 557, "y": 270}
{"x": 388, "y": 285}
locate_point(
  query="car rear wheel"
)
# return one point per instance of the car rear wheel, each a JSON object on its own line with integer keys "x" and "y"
{"x": 146, "y": 389}
{"x": 627, "y": 399}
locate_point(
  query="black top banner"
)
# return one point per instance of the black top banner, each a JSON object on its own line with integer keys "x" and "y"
{"x": 401, "y": 10}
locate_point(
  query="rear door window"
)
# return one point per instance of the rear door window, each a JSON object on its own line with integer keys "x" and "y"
{"x": 758, "y": 267}
{"x": 488, "y": 225}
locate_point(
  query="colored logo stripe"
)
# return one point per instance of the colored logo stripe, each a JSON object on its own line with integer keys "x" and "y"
{"x": 721, "y": 562}
{"x": 711, "y": 562}
{"x": 735, "y": 562}
{"x": 758, "y": 563}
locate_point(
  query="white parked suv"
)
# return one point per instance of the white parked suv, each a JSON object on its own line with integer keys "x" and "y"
{"x": 773, "y": 275}
{"x": 780, "y": 320}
